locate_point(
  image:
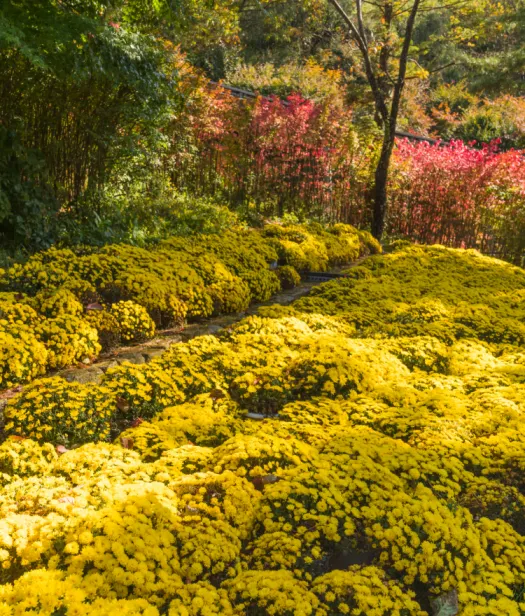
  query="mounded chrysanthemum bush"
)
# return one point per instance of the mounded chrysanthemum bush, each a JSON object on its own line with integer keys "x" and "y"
{"x": 63, "y": 307}
{"x": 360, "y": 452}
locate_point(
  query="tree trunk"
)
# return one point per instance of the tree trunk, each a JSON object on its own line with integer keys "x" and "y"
{"x": 380, "y": 187}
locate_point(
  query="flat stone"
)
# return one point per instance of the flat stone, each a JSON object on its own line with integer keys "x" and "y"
{"x": 150, "y": 354}
{"x": 169, "y": 341}
{"x": 214, "y": 329}
{"x": 133, "y": 358}
{"x": 446, "y": 604}
{"x": 193, "y": 333}
{"x": 85, "y": 375}
{"x": 106, "y": 365}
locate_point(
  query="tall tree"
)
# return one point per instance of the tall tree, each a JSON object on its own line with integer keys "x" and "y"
{"x": 382, "y": 31}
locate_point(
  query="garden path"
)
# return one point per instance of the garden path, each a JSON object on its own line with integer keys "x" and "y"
{"x": 143, "y": 353}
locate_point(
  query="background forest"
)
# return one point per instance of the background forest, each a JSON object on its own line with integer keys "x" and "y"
{"x": 114, "y": 125}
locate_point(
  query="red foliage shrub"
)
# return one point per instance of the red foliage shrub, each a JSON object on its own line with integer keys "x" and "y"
{"x": 460, "y": 196}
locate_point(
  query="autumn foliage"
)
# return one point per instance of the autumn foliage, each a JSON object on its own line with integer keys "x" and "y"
{"x": 459, "y": 195}
{"x": 274, "y": 157}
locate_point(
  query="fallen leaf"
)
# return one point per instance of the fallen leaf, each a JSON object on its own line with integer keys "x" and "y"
{"x": 262, "y": 480}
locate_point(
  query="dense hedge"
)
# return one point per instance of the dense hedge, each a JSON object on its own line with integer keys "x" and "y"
{"x": 63, "y": 306}
{"x": 388, "y": 470}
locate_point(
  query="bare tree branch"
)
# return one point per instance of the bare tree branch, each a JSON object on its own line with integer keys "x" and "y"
{"x": 363, "y": 48}
{"x": 403, "y": 61}
{"x": 360, "y": 25}
{"x": 349, "y": 23}
{"x": 441, "y": 7}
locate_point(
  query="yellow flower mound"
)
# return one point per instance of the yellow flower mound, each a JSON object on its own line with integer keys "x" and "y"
{"x": 260, "y": 455}
{"x": 365, "y": 592}
{"x": 142, "y": 391}
{"x": 271, "y": 592}
{"x": 127, "y": 549}
{"x": 134, "y": 322}
{"x": 68, "y": 339}
{"x": 218, "y": 496}
{"x": 200, "y": 599}
{"x": 22, "y": 355}
{"x": 91, "y": 462}
{"x": 57, "y": 303}
{"x": 107, "y": 326}
{"x": 184, "y": 460}
{"x": 52, "y": 592}
{"x": 23, "y": 457}
{"x": 12, "y": 312}
{"x": 60, "y": 412}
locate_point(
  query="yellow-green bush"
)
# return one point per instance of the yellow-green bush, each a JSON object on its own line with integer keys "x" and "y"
{"x": 315, "y": 247}
{"x": 288, "y": 276}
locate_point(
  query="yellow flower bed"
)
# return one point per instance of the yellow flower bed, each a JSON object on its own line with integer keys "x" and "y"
{"x": 359, "y": 452}
{"x": 62, "y": 307}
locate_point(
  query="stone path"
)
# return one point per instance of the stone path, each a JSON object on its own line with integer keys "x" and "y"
{"x": 144, "y": 353}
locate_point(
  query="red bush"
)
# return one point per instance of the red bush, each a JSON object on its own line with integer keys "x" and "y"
{"x": 460, "y": 196}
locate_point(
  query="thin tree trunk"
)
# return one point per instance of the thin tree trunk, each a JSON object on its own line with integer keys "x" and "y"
{"x": 380, "y": 186}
